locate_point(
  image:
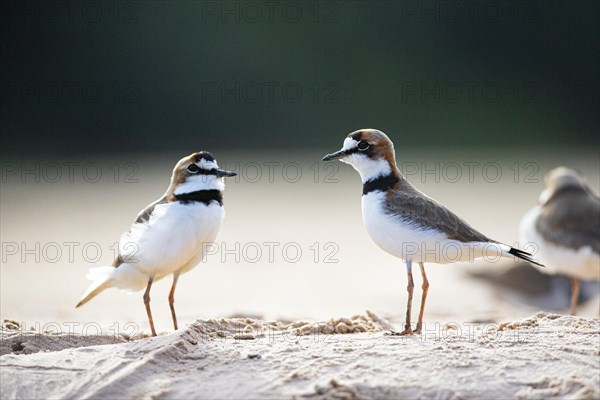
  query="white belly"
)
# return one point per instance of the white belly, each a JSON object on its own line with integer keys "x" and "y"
{"x": 395, "y": 236}
{"x": 580, "y": 263}
{"x": 176, "y": 236}
{"x": 416, "y": 244}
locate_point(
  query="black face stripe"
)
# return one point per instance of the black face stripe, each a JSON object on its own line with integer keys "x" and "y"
{"x": 204, "y": 171}
{"x": 369, "y": 152}
{"x": 203, "y": 154}
{"x": 382, "y": 183}
{"x": 356, "y": 136}
{"x": 350, "y": 151}
{"x": 200, "y": 196}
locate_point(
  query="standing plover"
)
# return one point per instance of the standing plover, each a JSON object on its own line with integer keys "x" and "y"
{"x": 170, "y": 235}
{"x": 565, "y": 228}
{"x": 407, "y": 223}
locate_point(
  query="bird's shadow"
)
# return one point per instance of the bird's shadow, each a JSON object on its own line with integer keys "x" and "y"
{"x": 547, "y": 292}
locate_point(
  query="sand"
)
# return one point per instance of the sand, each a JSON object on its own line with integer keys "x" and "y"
{"x": 543, "y": 356}
{"x": 270, "y": 355}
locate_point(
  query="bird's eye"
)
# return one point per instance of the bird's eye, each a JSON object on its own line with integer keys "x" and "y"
{"x": 193, "y": 168}
{"x": 362, "y": 146}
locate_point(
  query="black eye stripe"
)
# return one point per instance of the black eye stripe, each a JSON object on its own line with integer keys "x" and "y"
{"x": 366, "y": 150}
{"x": 194, "y": 169}
{"x": 211, "y": 171}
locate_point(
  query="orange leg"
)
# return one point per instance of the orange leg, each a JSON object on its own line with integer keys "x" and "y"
{"x": 411, "y": 284}
{"x": 172, "y": 299}
{"x": 147, "y": 304}
{"x": 574, "y": 295}
{"x": 425, "y": 288}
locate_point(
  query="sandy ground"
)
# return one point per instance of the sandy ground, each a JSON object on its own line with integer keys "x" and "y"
{"x": 545, "y": 356}
{"x": 53, "y": 350}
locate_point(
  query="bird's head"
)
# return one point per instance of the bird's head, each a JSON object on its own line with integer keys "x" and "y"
{"x": 198, "y": 171}
{"x": 559, "y": 179}
{"x": 369, "y": 151}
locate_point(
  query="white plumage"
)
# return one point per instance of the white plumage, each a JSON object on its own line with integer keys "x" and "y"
{"x": 405, "y": 222}
{"x": 171, "y": 235}
{"x": 414, "y": 244}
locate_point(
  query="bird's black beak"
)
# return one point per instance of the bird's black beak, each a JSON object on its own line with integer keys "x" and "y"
{"x": 334, "y": 156}
{"x": 221, "y": 173}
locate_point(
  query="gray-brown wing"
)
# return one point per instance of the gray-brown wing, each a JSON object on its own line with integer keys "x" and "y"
{"x": 143, "y": 216}
{"x": 571, "y": 219}
{"x": 422, "y": 211}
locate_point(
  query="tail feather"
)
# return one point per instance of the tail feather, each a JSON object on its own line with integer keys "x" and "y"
{"x": 102, "y": 278}
{"x": 524, "y": 256}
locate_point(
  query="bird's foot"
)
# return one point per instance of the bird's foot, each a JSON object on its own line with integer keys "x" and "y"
{"x": 418, "y": 329}
{"x": 405, "y": 332}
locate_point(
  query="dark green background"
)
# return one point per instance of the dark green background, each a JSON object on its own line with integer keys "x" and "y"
{"x": 109, "y": 77}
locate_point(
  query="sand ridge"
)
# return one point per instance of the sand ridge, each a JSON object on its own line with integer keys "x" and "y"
{"x": 543, "y": 356}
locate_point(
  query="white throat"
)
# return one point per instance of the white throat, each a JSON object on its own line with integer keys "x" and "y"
{"x": 200, "y": 182}
{"x": 368, "y": 168}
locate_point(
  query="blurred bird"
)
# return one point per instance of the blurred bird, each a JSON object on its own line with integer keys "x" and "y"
{"x": 405, "y": 222}
{"x": 565, "y": 228}
{"x": 170, "y": 235}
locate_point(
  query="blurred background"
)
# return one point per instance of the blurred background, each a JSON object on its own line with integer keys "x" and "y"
{"x": 100, "y": 99}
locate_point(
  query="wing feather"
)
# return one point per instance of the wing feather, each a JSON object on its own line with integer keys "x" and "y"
{"x": 571, "y": 218}
{"x": 142, "y": 217}
{"x": 424, "y": 212}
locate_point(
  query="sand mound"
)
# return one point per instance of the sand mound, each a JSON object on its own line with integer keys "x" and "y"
{"x": 248, "y": 329}
{"x": 16, "y": 340}
{"x": 544, "y": 356}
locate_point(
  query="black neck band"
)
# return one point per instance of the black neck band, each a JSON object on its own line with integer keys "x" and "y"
{"x": 382, "y": 183}
{"x": 201, "y": 196}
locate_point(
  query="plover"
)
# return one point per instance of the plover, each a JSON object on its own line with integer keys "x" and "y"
{"x": 565, "y": 228}
{"x": 170, "y": 235}
{"x": 407, "y": 223}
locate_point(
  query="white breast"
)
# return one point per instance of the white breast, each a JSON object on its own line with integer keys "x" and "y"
{"x": 396, "y": 236}
{"x": 582, "y": 263}
{"x": 175, "y": 236}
